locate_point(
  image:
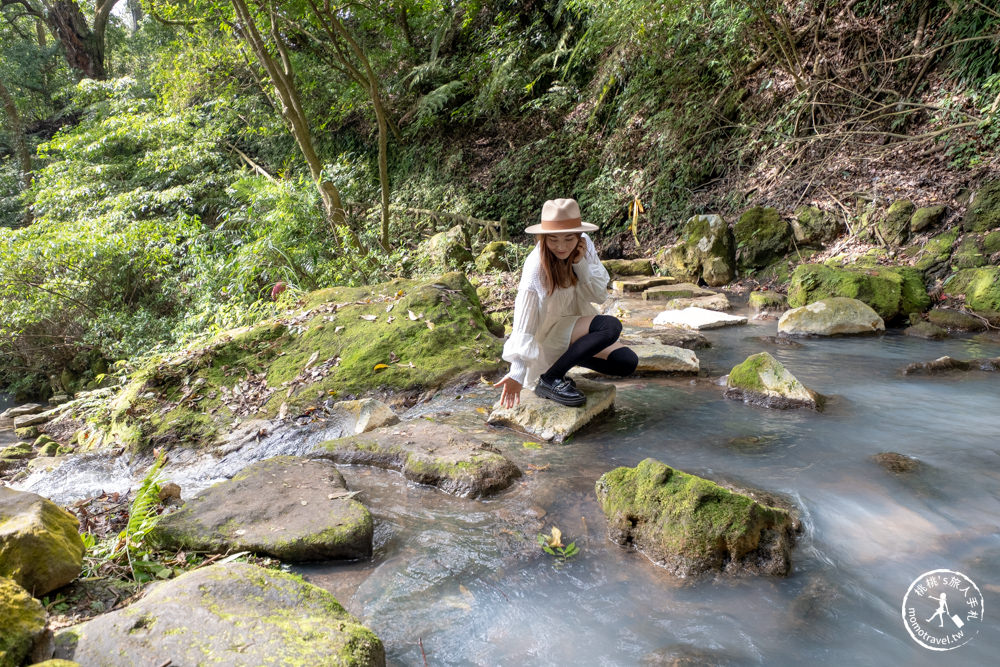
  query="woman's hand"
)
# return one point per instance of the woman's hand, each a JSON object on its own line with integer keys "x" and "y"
{"x": 580, "y": 252}
{"x": 511, "y": 393}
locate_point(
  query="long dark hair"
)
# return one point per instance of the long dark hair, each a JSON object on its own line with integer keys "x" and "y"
{"x": 556, "y": 272}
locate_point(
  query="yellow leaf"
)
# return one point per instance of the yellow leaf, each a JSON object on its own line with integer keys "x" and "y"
{"x": 430, "y": 325}
{"x": 531, "y": 445}
{"x": 400, "y": 293}
{"x": 555, "y": 539}
{"x": 481, "y": 410}
{"x": 379, "y": 367}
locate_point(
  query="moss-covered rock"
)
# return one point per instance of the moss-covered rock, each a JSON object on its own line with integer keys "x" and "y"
{"x": 22, "y": 624}
{"x": 406, "y": 335}
{"x": 706, "y": 251}
{"x": 991, "y": 244}
{"x": 836, "y": 316}
{"x": 895, "y": 225}
{"x": 761, "y": 238}
{"x": 690, "y": 525}
{"x": 40, "y": 547}
{"x": 427, "y": 453}
{"x": 718, "y": 302}
{"x": 892, "y": 291}
{"x": 498, "y": 256}
{"x": 641, "y": 284}
{"x": 969, "y": 254}
{"x": 768, "y": 301}
{"x": 675, "y": 291}
{"x": 233, "y": 614}
{"x": 981, "y": 288}
{"x": 925, "y": 330}
{"x": 925, "y": 217}
{"x": 629, "y": 267}
{"x": 19, "y": 450}
{"x": 814, "y": 226}
{"x": 27, "y": 432}
{"x": 763, "y": 380}
{"x": 288, "y": 507}
{"x": 934, "y": 254}
{"x": 955, "y": 320}
{"x": 983, "y": 213}
{"x": 445, "y": 251}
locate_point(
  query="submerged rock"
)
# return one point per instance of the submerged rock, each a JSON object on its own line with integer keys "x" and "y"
{"x": 831, "y": 317}
{"x": 549, "y": 420}
{"x": 40, "y": 547}
{"x": 24, "y": 635}
{"x": 427, "y": 453}
{"x": 288, "y": 507}
{"x": 367, "y": 414}
{"x": 925, "y": 330}
{"x": 698, "y": 318}
{"x": 763, "y": 380}
{"x": 706, "y": 251}
{"x": 946, "y": 364}
{"x": 233, "y": 614}
{"x": 629, "y": 267}
{"x": 897, "y": 463}
{"x": 690, "y": 525}
{"x": 777, "y": 341}
{"x": 890, "y": 291}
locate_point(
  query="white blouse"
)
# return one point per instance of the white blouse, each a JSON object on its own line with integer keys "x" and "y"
{"x": 543, "y": 322}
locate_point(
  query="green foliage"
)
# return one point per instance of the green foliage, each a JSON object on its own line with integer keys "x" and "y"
{"x": 552, "y": 545}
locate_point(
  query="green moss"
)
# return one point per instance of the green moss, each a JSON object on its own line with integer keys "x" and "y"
{"x": 747, "y": 375}
{"x": 984, "y": 212}
{"x": 761, "y": 238}
{"x": 981, "y": 288}
{"x": 991, "y": 243}
{"x": 968, "y": 254}
{"x": 926, "y": 217}
{"x": 26, "y": 432}
{"x": 690, "y": 515}
{"x": 895, "y": 226}
{"x": 22, "y": 621}
{"x": 934, "y": 253}
{"x": 20, "y": 450}
{"x": 767, "y": 300}
{"x": 890, "y": 291}
{"x": 629, "y": 267}
{"x": 498, "y": 256}
{"x": 815, "y": 226}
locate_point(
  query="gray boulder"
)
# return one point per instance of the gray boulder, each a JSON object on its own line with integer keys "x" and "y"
{"x": 40, "y": 547}
{"x": 763, "y": 380}
{"x": 761, "y": 237}
{"x": 232, "y": 614}
{"x": 705, "y": 251}
{"x": 551, "y": 421}
{"x": 446, "y": 251}
{"x": 812, "y": 226}
{"x": 288, "y": 507}
{"x": 831, "y": 317}
{"x": 497, "y": 256}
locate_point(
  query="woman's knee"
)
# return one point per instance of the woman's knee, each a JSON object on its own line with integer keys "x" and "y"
{"x": 610, "y": 326}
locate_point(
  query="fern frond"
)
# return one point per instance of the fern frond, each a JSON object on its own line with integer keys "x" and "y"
{"x": 431, "y": 103}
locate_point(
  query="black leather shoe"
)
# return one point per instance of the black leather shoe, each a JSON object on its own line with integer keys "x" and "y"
{"x": 561, "y": 391}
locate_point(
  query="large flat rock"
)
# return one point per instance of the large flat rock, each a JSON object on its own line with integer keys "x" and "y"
{"x": 665, "y": 359}
{"x": 429, "y": 453}
{"x": 549, "y": 420}
{"x": 708, "y": 302}
{"x": 698, "y": 318}
{"x": 21, "y": 410}
{"x": 288, "y": 507}
{"x": 40, "y": 547}
{"x": 233, "y": 614}
{"x": 676, "y": 291}
{"x": 665, "y": 335}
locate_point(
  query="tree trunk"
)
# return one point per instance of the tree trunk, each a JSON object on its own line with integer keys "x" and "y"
{"x": 20, "y": 143}
{"x": 83, "y": 46}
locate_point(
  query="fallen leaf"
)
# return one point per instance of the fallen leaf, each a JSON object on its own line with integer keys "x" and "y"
{"x": 412, "y": 315}
{"x": 482, "y": 410}
{"x": 400, "y": 293}
{"x": 370, "y": 318}
{"x": 393, "y": 358}
{"x": 312, "y": 359}
{"x": 389, "y": 307}
{"x": 553, "y": 540}
{"x": 283, "y": 411}
{"x": 430, "y": 325}
{"x": 390, "y": 319}
{"x": 411, "y": 365}
{"x": 379, "y": 367}
{"x": 338, "y": 329}
{"x": 306, "y": 502}
{"x": 531, "y": 445}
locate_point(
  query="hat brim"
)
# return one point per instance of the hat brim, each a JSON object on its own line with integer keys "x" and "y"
{"x": 584, "y": 227}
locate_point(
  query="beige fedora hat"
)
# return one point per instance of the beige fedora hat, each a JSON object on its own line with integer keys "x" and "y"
{"x": 561, "y": 216}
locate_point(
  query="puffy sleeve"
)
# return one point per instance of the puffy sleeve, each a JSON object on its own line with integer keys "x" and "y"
{"x": 592, "y": 276}
{"x": 521, "y": 347}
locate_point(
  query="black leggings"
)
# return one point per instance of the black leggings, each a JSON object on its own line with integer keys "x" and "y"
{"x": 604, "y": 331}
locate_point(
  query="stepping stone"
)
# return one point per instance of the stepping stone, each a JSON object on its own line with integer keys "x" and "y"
{"x": 698, "y": 318}
{"x": 678, "y": 291}
{"x": 428, "y": 453}
{"x": 367, "y": 414}
{"x": 629, "y": 267}
{"x": 548, "y": 420}
{"x": 665, "y": 335}
{"x": 289, "y": 507}
{"x": 836, "y": 316}
{"x": 713, "y": 302}
{"x": 762, "y": 380}
{"x": 641, "y": 284}
{"x": 21, "y": 410}
{"x": 34, "y": 419}
{"x": 656, "y": 358}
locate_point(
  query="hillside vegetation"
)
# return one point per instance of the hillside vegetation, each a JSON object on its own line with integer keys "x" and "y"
{"x": 163, "y": 169}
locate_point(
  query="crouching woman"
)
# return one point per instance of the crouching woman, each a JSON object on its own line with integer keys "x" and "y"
{"x": 556, "y": 327}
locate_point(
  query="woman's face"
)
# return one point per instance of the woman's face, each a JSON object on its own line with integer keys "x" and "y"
{"x": 562, "y": 245}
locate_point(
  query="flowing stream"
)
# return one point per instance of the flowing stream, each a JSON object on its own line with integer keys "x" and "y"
{"x": 462, "y": 582}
